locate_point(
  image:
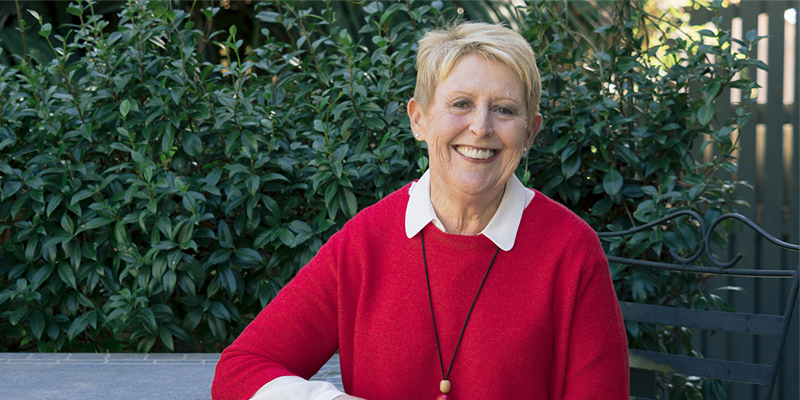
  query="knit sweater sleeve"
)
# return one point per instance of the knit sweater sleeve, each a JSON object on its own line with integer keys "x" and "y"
{"x": 293, "y": 336}
{"x": 592, "y": 332}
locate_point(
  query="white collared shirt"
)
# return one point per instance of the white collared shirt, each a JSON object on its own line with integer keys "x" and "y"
{"x": 502, "y": 230}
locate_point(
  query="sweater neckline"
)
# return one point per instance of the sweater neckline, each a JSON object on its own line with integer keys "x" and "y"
{"x": 434, "y": 236}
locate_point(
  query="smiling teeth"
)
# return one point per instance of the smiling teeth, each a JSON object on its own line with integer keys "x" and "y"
{"x": 472, "y": 152}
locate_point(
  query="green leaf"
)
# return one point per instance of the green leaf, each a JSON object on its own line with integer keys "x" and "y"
{"x": 350, "y": 205}
{"x": 164, "y": 224}
{"x": 249, "y": 255}
{"x": 633, "y": 328}
{"x": 53, "y": 331}
{"x": 219, "y": 257}
{"x": 120, "y": 233}
{"x": 650, "y": 190}
{"x": 192, "y": 319}
{"x": 125, "y": 107}
{"x": 560, "y": 144}
{"x": 751, "y": 35}
{"x": 30, "y": 249}
{"x": 194, "y": 268}
{"x": 268, "y": 16}
{"x": 67, "y": 275}
{"x": 57, "y": 238}
{"x": 186, "y": 232}
{"x": 37, "y": 323}
{"x": 705, "y": 114}
{"x": 19, "y": 203}
{"x": 217, "y": 326}
{"x": 571, "y": 166}
{"x": 42, "y": 274}
{"x": 641, "y": 132}
{"x": 694, "y": 179}
{"x": 52, "y": 205}
{"x": 262, "y": 238}
{"x": 17, "y": 314}
{"x": 6, "y": 294}
{"x": 224, "y": 235}
{"x": 82, "y": 194}
{"x": 273, "y": 176}
{"x": 166, "y": 338}
{"x": 193, "y": 146}
{"x": 78, "y": 325}
{"x": 252, "y": 183}
{"x": 148, "y": 320}
{"x": 170, "y": 280}
{"x": 10, "y": 188}
{"x": 612, "y": 182}
{"x": 46, "y": 30}
{"x": 94, "y": 223}
{"x": 286, "y": 236}
{"x": 626, "y": 63}
{"x": 67, "y": 224}
{"x": 219, "y": 310}
{"x": 602, "y": 206}
{"x": 164, "y": 245}
{"x": 74, "y": 10}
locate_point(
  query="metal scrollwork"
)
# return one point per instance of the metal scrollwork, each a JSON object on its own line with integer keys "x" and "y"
{"x": 752, "y": 225}
{"x": 705, "y": 246}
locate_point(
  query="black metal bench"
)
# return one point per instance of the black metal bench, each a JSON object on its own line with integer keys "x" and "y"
{"x": 646, "y": 365}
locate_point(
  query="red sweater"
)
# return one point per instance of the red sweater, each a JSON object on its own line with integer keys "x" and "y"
{"x": 547, "y": 323}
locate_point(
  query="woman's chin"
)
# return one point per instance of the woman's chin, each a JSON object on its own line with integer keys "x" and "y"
{"x": 484, "y": 185}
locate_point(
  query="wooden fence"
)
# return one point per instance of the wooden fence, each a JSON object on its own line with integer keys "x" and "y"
{"x": 768, "y": 160}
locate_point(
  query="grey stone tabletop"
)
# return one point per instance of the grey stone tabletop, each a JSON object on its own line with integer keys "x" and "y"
{"x": 118, "y": 376}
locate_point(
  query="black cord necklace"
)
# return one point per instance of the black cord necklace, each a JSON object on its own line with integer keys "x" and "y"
{"x": 444, "y": 386}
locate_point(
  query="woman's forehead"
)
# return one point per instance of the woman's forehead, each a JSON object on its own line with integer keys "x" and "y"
{"x": 472, "y": 73}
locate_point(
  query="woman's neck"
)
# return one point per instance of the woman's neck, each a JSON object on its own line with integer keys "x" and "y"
{"x": 468, "y": 215}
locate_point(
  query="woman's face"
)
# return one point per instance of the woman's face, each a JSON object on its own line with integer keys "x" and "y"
{"x": 476, "y": 128}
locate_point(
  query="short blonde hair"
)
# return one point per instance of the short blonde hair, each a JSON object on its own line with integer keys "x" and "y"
{"x": 439, "y": 50}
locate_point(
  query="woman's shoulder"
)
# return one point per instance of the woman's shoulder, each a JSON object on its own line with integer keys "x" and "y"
{"x": 551, "y": 228}
{"x": 552, "y": 216}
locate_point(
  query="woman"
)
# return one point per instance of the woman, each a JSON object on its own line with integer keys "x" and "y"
{"x": 462, "y": 285}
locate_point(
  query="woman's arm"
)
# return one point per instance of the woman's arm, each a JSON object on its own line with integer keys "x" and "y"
{"x": 593, "y": 341}
{"x": 293, "y": 336}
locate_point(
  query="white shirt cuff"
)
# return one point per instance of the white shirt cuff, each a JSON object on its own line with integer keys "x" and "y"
{"x": 296, "y": 388}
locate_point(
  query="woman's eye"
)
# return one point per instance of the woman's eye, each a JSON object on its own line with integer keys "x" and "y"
{"x": 460, "y": 104}
{"x": 505, "y": 111}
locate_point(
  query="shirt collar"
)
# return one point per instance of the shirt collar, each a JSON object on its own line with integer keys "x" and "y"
{"x": 503, "y": 227}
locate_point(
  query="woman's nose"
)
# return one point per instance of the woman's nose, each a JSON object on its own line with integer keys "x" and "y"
{"x": 481, "y": 124}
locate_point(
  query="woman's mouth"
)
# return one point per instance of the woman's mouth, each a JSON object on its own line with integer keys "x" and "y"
{"x": 478, "y": 154}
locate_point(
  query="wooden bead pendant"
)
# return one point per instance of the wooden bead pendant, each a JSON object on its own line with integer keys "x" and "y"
{"x": 444, "y": 387}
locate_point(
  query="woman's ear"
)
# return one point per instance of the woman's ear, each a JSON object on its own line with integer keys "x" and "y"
{"x": 417, "y": 120}
{"x": 533, "y": 129}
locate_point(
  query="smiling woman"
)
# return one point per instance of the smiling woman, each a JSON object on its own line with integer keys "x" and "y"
{"x": 463, "y": 284}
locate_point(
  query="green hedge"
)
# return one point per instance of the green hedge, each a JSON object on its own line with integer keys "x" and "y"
{"x": 152, "y": 200}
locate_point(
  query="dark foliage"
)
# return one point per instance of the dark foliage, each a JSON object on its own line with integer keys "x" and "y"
{"x": 155, "y": 198}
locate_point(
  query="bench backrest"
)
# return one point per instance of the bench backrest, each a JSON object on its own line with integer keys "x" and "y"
{"x": 756, "y": 324}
